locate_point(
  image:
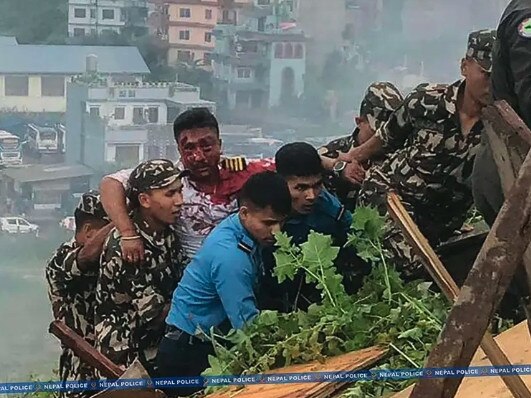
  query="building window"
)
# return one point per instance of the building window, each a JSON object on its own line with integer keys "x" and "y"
{"x": 288, "y": 50}
{"x": 119, "y": 113}
{"x": 153, "y": 114}
{"x": 123, "y": 15}
{"x": 261, "y": 24}
{"x": 80, "y": 13}
{"x": 79, "y": 32}
{"x": 107, "y": 14}
{"x": 17, "y": 86}
{"x": 208, "y": 14}
{"x": 93, "y": 13}
{"x": 185, "y": 13}
{"x": 138, "y": 116}
{"x": 264, "y": 2}
{"x": 207, "y": 59}
{"x": 184, "y": 35}
{"x": 208, "y": 37}
{"x": 279, "y": 50}
{"x": 52, "y": 86}
{"x": 127, "y": 154}
{"x": 226, "y": 17}
{"x": 94, "y": 111}
{"x": 244, "y": 73}
{"x": 183, "y": 55}
{"x": 299, "y": 51}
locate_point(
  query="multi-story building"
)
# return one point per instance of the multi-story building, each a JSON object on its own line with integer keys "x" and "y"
{"x": 96, "y": 17}
{"x": 33, "y": 77}
{"x": 261, "y": 62}
{"x": 125, "y": 123}
{"x": 187, "y": 25}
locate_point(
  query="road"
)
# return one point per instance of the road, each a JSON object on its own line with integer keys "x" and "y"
{"x": 26, "y": 348}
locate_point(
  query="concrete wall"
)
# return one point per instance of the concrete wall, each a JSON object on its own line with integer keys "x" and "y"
{"x": 34, "y": 101}
{"x": 275, "y": 78}
{"x": 107, "y": 111}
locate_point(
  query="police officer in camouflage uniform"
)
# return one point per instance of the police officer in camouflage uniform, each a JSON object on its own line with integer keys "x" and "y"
{"x": 71, "y": 275}
{"x": 511, "y": 81}
{"x": 133, "y": 300}
{"x": 432, "y": 139}
{"x": 380, "y": 101}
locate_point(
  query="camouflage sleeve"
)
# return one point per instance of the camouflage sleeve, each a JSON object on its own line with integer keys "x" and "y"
{"x": 332, "y": 149}
{"x": 113, "y": 323}
{"x": 61, "y": 272}
{"x": 395, "y": 132}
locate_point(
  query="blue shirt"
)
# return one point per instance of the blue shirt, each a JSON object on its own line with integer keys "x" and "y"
{"x": 328, "y": 217}
{"x": 218, "y": 283}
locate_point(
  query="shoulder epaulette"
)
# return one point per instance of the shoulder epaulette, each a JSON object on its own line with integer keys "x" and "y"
{"x": 237, "y": 163}
{"x": 245, "y": 247}
{"x": 340, "y": 213}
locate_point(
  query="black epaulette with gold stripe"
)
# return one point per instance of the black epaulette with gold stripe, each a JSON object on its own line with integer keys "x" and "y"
{"x": 237, "y": 163}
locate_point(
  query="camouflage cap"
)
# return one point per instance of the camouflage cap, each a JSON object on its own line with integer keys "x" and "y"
{"x": 380, "y": 100}
{"x": 480, "y": 45}
{"x": 153, "y": 174}
{"x": 90, "y": 203}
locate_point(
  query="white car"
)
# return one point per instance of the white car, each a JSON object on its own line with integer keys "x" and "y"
{"x": 18, "y": 225}
{"x": 68, "y": 223}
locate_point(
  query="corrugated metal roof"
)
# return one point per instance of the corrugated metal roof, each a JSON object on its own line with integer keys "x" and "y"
{"x": 67, "y": 60}
{"x": 41, "y": 172}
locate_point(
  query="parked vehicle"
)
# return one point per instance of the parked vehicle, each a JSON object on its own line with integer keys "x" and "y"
{"x": 68, "y": 223}
{"x": 10, "y": 151}
{"x": 18, "y": 225}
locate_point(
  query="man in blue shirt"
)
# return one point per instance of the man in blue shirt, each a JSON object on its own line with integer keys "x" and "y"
{"x": 217, "y": 288}
{"x": 313, "y": 208}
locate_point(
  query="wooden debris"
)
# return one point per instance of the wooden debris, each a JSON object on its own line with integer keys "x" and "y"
{"x": 353, "y": 361}
{"x": 450, "y": 289}
{"x": 483, "y": 289}
{"x": 515, "y": 343}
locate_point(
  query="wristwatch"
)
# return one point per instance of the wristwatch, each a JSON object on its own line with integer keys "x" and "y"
{"x": 339, "y": 167}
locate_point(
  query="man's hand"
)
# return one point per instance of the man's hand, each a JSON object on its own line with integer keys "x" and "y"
{"x": 353, "y": 173}
{"x": 132, "y": 250}
{"x": 90, "y": 253}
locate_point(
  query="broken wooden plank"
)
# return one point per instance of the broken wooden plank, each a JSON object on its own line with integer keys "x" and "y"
{"x": 515, "y": 343}
{"x": 353, "y": 361}
{"x": 443, "y": 279}
{"x": 85, "y": 351}
{"x": 483, "y": 289}
{"x": 510, "y": 141}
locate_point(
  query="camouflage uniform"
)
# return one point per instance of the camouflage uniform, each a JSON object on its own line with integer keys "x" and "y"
{"x": 380, "y": 100}
{"x": 72, "y": 295}
{"x": 131, "y": 298}
{"x": 432, "y": 161}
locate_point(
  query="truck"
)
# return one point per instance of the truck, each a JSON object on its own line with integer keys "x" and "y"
{"x": 10, "y": 149}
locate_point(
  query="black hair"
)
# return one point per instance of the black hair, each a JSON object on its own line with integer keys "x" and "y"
{"x": 194, "y": 118}
{"x": 267, "y": 189}
{"x": 298, "y": 159}
{"x": 81, "y": 219}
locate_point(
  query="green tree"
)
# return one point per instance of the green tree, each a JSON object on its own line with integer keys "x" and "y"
{"x": 35, "y": 21}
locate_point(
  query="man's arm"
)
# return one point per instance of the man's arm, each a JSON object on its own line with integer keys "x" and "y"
{"x": 59, "y": 278}
{"x": 233, "y": 277}
{"x": 89, "y": 254}
{"x": 113, "y": 327}
{"x": 112, "y": 191}
{"x": 391, "y": 136}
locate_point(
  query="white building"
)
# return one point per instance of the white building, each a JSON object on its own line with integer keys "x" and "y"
{"x": 94, "y": 17}
{"x": 136, "y": 119}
